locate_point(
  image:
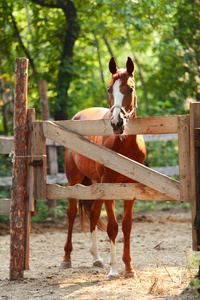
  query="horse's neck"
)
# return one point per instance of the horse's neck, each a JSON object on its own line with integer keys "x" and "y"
{"x": 124, "y": 143}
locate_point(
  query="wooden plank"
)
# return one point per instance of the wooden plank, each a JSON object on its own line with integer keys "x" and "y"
{"x": 39, "y": 161}
{"x": 29, "y": 200}
{"x": 57, "y": 178}
{"x": 5, "y": 180}
{"x": 161, "y": 137}
{"x": 184, "y": 157}
{"x": 5, "y": 207}
{"x": 148, "y": 125}
{"x": 51, "y": 151}
{"x": 169, "y": 171}
{"x": 52, "y": 160}
{"x": 17, "y": 215}
{"x": 62, "y": 179}
{"x": 194, "y": 170}
{"x": 113, "y": 160}
{"x": 44, "y": 103}
{"x": 53, "y": 170}
{"x": 6, "y": 144}
{"x": 104, "y": 191}
{"x": 147, "y": 138}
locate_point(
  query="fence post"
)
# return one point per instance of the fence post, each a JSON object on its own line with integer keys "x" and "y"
{"x": 29, "y": 199}
{"x": 51, "y": 150}
{"x": 195, "y": 172}
{"x": 17, "y": 213}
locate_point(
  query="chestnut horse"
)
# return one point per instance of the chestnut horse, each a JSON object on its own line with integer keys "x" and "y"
{"x": 79, "y": 169}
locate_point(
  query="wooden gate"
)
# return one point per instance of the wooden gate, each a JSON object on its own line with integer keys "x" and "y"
{"x": 29, "y": 173}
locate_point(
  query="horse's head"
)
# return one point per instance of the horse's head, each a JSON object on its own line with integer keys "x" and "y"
{"x": 122, "y": 98}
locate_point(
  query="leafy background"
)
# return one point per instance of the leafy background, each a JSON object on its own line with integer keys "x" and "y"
{"x": 69, "y": 44}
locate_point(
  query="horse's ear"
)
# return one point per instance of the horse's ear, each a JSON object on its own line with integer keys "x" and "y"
{"x": 112, "y": 65}
{"x": 130, "y": 66}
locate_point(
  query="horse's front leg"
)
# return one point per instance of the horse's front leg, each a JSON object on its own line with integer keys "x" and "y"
{"x": 94, "y": 216}
{"x": 71, "y": 214}
{"x": 112, "y": 230}
{"x": 126, "y": 228}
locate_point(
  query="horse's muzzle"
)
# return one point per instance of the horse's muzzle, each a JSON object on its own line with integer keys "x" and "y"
{"x": 118, "y": 127}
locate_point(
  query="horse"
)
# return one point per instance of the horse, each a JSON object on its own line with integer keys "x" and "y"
{"x": 79, "y": 169}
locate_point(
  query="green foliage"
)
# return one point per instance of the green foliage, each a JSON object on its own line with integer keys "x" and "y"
{"x": 191, "y": 270}
{"x": 6, "y": 165}
{"x": 151, "y": 205}
{"x": 43, "y": 210}
{"x": 162, "y": 154}
{"x": 162, "y": 37}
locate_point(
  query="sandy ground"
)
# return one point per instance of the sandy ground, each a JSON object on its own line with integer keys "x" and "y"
{"x": 162, "y": 272}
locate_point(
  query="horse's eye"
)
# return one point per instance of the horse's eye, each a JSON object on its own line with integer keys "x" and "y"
{"x": 131, "y": 89}
{"x": 108, "y": 89}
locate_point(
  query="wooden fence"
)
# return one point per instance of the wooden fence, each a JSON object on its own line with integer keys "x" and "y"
{"x": 7, "y": 146}
{"x": 29, "y": 171}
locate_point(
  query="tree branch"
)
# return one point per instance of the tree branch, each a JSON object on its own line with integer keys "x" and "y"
{"x": 66, "y": 60}
{"x": 108, "y": 45}
{"x": 22, "y": 45}
{"x": 141, "y": 76}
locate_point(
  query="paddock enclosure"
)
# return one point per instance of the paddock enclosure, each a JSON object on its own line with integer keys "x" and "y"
{"x": 29, "y": 169}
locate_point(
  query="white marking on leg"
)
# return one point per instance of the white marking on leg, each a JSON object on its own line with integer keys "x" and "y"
{"x": 97, "y": 260}
{"x": 113, "y": 261}
{"x": 118, "y": 98}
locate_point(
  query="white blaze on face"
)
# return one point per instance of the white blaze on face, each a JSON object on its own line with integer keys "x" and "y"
{"x": 118, "y": 98}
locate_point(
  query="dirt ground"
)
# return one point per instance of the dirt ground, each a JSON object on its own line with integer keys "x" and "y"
{"x": 160, "y": 249}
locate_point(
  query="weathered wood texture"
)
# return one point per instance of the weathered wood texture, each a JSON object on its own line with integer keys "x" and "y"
{"x": 160, "y": 137}
{"x": 29, "y": 199}
{"x": 4, "y": 207}
{"x": 104, "y": 191}
{"x": 6, "y": 144}
{"x": 17, "y": 216}
{"x": 195, "y": 176}
{"x": 61, "y": 177}
{"x": 113, "y": 160}
{"x": 51, "y": 151}
{"x": 39, "y": 161}
{"x": 184, "y": 158}
{"x": 44, "y": 104}
{"x": 150, "y": 125}
{"x": 53, "y": 170}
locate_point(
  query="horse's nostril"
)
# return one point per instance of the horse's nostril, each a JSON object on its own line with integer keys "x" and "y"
{"x": 120, "y": 123}
{"x": 112, "y": 124}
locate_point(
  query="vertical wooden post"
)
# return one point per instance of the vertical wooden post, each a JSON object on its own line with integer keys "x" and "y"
{"x": 195, "y": 173}
{"x": 184, "y": 157}
{"x": 51, "y": 150}
{"x": 29, "y": 199}
{"x": 17, "y": 214}
{"x": 53, "y": 170}
{"x": 39, "y": 161}
{"x": 44, "y": 104}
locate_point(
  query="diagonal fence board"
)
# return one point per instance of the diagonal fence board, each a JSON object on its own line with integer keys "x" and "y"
{"x": 104, "y": 191}
{"x": 148, "y": 125}
{"x": 112, "y": 160}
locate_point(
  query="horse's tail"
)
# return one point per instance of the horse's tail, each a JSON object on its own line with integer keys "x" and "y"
{"x": 85, "y": 208}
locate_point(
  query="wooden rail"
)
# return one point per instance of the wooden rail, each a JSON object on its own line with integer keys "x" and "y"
{"x": 29, "y": 173}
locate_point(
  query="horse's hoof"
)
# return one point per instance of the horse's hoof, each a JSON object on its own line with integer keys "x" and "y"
{"x": 113, "y": 276}
{"x": 65, "y": 265}
{"x": 98, "y": 263}
{"x": 129, "y": 274}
